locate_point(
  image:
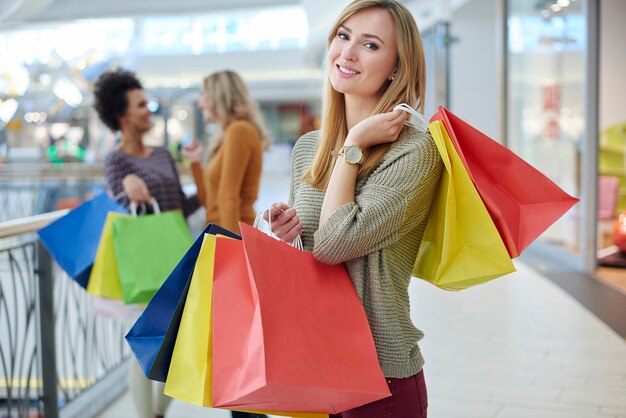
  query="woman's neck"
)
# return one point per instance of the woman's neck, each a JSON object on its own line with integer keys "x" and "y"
{"x": 358, "y": 109}
{"x": 132, "y": 144}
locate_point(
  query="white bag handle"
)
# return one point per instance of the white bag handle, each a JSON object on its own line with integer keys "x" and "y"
{"x": 258, "y": 224}
{"x": 153, "y": 203}
{"x": 421, "y": 123}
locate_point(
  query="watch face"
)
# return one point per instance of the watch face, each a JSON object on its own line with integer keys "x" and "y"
{"x": 353, "y": 154}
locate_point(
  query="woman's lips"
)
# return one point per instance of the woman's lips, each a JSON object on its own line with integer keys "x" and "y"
{"x": 346, "y": 72}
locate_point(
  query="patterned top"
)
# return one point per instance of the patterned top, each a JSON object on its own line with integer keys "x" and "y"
{"x": 377, "y": 236}
{"x": 159, "y": 173}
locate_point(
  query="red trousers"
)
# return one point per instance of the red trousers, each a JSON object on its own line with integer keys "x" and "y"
{"x": 408, "y": 400}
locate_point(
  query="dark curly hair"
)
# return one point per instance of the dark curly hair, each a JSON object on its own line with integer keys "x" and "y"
{"x": 110, "y": 95}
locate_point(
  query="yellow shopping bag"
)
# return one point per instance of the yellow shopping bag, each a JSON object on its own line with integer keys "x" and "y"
{"x": 189, "y": 375}
{"x": 461, "y": 246}
{"x": 104, "y": 279}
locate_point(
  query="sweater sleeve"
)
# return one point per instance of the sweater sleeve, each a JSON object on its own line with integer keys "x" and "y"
{"x": 292, "y": 182}
{"x": 390, "y": 203}
{"x": 235, "y": 159}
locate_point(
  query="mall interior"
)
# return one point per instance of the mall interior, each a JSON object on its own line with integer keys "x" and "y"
{"x": 545, "y": 78}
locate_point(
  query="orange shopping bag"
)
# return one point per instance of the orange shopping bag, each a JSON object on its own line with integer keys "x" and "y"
{"x": 522, "y": 202}
{"x": 289, "y": 333}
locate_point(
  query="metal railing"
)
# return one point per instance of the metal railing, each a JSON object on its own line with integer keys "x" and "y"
{"x": 57, "y": 358}
{"x": 30, "y": 189}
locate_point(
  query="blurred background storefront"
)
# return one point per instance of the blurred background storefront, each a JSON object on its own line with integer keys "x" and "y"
{"x": 543, "y": 77}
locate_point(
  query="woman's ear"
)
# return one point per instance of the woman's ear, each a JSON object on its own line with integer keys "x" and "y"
{"x": 393, "y": 74}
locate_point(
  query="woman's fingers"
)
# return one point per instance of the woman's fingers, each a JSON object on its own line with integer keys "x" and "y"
{"x": 275, "y": 209}
{"x": 289, "y": 237}
{"x": 284, "y": 216}
{"x": 138, "y": 193}
{"x": 284, "y": 220}
{"x": 282, "y": 229}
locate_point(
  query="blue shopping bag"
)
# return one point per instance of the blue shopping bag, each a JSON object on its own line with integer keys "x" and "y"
{"x": 152, "y": 337}
{"x": 73, "y": 239}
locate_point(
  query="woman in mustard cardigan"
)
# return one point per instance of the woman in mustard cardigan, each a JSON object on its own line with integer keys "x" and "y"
{"x": 229, "y": 185}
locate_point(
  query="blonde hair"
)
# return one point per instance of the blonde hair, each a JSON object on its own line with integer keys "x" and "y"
{"x": 230, "y": 101}
{"x": 408, "y": 86}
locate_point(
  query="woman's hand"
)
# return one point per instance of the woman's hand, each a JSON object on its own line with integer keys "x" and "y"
{"x": 285, "y": 222}
{"x": 136, "y": 189}
{"x": 377, "y": 129}
{"x": 193, "y": 151}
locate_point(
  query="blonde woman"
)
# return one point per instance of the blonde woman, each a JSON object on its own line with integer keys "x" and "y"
{"x": 229, "y": 185}
{"x": 362, "y": 186}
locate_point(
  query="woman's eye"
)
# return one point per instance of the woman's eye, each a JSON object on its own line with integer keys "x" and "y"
{"x": 342, "y": 36}
{"x": 371, "y": 45}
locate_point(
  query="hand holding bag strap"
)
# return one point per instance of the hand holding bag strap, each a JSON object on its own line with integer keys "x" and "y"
{"x": 420, "y": 123}
{"x": 153, "y": 203}
{"x": 258, "y": 224}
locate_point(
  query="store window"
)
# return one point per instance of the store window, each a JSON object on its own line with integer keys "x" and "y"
{"x": 545, "y": 103}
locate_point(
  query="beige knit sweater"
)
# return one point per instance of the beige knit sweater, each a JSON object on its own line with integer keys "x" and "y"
{"x": 377, "y": 237}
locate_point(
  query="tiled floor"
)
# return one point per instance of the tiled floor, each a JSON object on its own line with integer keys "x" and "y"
{"x": 518, "y": 347}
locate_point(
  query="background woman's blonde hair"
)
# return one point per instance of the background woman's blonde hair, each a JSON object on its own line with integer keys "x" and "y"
{"x": 408, "y": 86}
{"x": 229, "y": 101}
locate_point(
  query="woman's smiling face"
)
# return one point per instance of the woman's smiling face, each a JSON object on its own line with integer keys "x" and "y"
{"x": 363, "y": 54}
{"x": 137, "y": 116}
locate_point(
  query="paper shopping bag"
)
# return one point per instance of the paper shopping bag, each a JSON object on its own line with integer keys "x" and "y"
{"x": 289, "y": 333}
{"x": 147, "y": 248}
{"x": 522, "y": 202}
{"x": 461, "y": 246}
{"x": 152, "y": 336}
{"x": 73, "y": 239}
{"x": 189, "y": 376}
{"x": 104, "y": 279}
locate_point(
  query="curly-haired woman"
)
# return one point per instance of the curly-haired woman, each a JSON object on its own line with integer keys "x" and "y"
{"x": 141, "y": 173}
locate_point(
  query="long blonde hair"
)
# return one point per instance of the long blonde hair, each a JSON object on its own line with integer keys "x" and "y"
{"x": 230, "y": 101}
{"x": 408, "y": 86}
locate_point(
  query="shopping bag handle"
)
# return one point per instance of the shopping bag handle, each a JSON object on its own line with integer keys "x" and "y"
{"x": 258, "y": 224}
{"x": 421, "y": 123}
{"x": 153, "y": 203}
{"x": 132, "y": 207}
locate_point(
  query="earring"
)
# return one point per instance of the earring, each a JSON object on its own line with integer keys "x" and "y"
{"x": 392, "y": 78}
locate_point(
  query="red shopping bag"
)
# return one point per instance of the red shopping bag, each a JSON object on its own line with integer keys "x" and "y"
{"x": 289, "y": 333}
{"x": 522, "y": 202}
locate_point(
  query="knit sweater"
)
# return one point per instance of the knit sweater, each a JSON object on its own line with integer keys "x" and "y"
{"x": 377, "y": 237}
{"x": 230, "y": 183}
{"x": 158, "y": 171}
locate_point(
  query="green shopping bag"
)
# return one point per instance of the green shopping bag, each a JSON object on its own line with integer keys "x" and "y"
{"x": 147, "y": 248}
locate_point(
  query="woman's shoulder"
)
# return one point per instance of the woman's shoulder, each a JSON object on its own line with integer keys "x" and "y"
{"x": 114, "y": 158}
{"x": 307, "y": 143}
{"x": 242, "y": 129}
{"x": 414, "y": 141}
{"x": 304, "y": 151}
{"x": 160, "y": 152}
{"x": 413, "y": 155}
